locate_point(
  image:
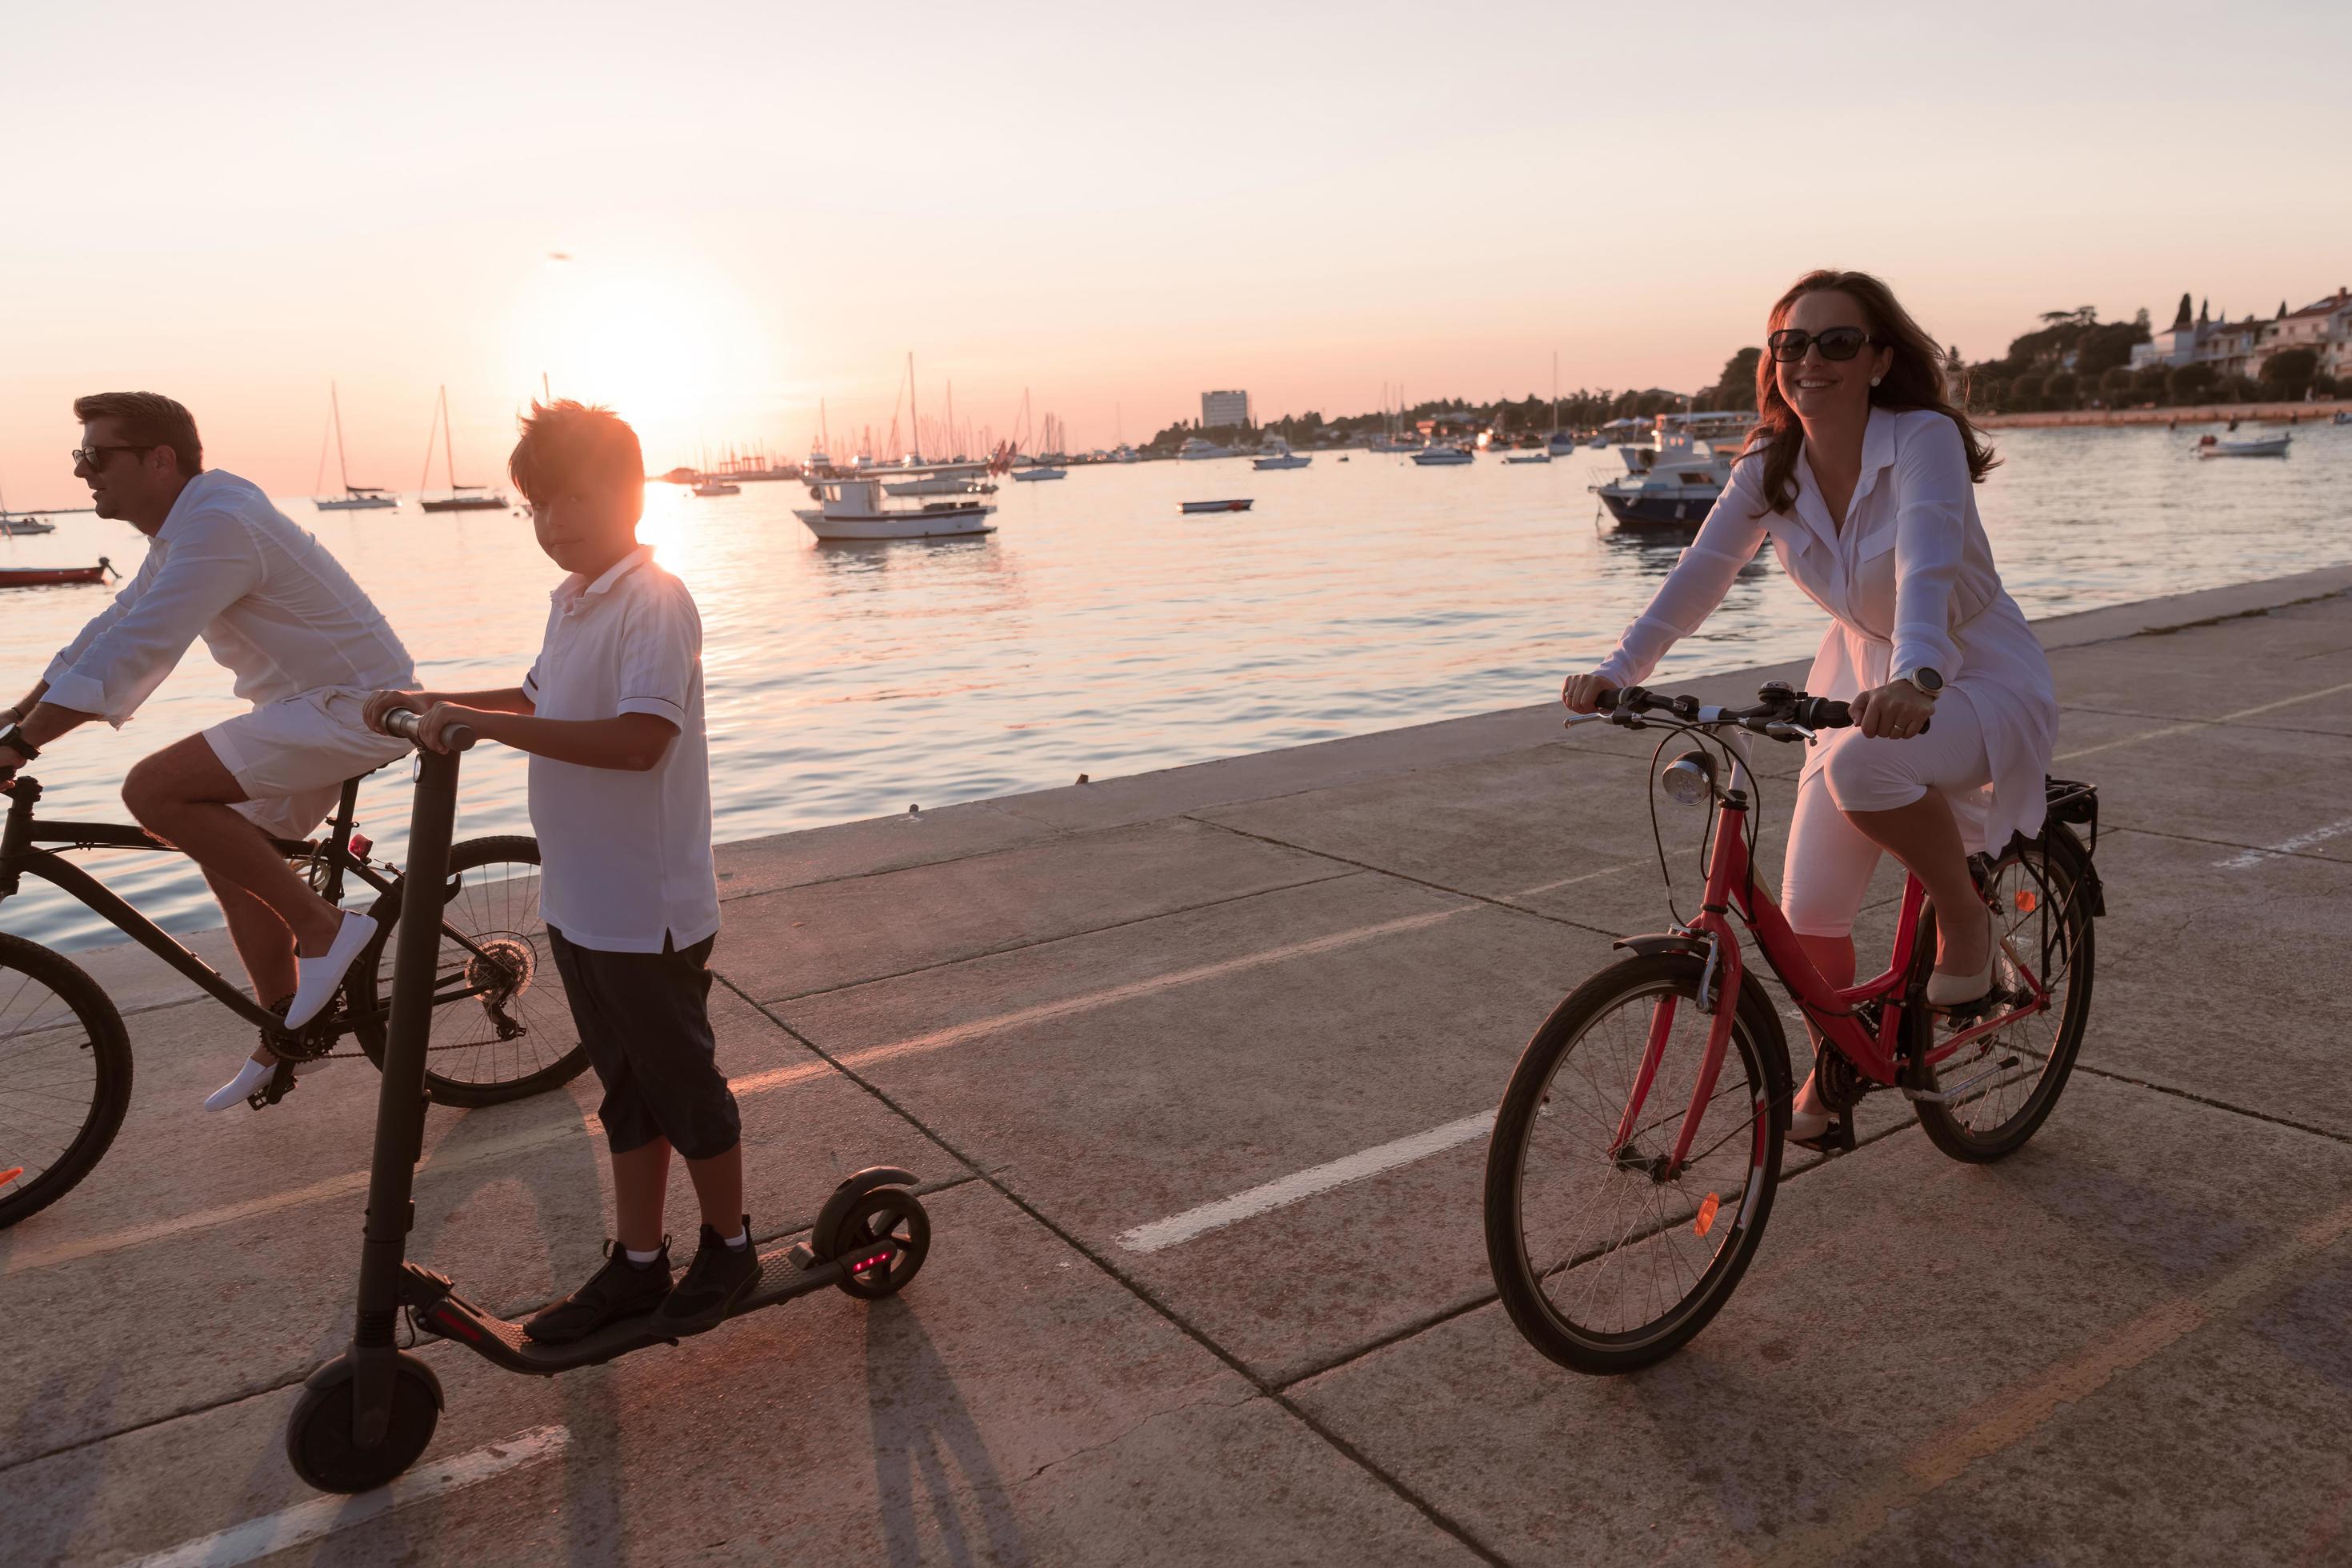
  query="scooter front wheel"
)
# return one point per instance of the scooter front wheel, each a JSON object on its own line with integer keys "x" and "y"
{"x": 318, "y": 1434}
{"x": 890, "y": 1215}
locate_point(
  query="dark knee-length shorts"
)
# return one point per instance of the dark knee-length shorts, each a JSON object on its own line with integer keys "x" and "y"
{"x": 645, "y": 1019}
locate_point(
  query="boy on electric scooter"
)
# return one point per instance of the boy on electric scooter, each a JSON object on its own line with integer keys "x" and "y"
{"x": 620, "y": 797}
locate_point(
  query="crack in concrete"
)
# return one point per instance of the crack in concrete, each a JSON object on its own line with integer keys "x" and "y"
{"x": 1243, "y": 1396}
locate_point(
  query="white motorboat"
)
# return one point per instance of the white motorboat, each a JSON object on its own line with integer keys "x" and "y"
{"x": 1276, "y": 453}
{"x": 712, "y": 485}
{"x": 355, "y": 498}
{"x": 1197, "y": 449}
{"x": 1676, "y": 480}
{"x": 2262, "y": 447}
{"x": 14, "y": 527}
{"x": 1443, "y": 455}
{"x": 852, "y": 507}
{"x": 1526, "y": 457}
{"x": 1038, "y": 471}
{"x": 940, "y": 480}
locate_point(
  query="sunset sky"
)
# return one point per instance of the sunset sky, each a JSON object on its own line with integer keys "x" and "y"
{"x": 1113, "y": 206}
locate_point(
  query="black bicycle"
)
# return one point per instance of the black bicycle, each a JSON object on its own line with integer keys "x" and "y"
{"x": 502, "y": 1028}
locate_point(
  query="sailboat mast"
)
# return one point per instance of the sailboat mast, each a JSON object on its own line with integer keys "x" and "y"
{"x": 1555, "y": 391}
{"x": 954, "y": 447}
{"x": 914, "y": 415}
{"x": 342, "y": 464}
{"x": 448, "y": 452}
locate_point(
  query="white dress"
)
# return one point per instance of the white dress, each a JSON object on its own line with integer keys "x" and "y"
{"x": 1909, "y": 581}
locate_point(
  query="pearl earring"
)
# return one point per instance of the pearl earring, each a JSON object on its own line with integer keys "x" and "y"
{"x": 1876, "y": 379}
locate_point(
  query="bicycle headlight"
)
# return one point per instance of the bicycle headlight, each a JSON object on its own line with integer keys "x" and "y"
{"x": 1690, "y": 778}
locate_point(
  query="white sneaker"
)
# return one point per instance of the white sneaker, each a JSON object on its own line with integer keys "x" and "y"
{"x": 249, "y": 1077}
{"x": 317, "y": 978}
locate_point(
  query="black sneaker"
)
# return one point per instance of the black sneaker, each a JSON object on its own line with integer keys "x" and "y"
{"x": 718, "y": 1277}
{"x": 619, "y": 1289}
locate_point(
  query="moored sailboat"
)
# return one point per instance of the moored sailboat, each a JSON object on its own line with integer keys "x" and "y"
{"x": 355, "y": 498}
{"x": 461, "y": 497}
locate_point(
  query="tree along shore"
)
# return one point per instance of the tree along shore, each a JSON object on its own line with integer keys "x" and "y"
{"x": 2320, "y": 412}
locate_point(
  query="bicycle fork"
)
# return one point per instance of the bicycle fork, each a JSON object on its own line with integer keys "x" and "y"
{"x": 1718, "y": 993}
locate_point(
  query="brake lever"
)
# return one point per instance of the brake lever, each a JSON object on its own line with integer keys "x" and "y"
{"x": 1783, "y": 730}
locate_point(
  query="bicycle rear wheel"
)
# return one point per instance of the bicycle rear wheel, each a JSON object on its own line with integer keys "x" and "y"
{"x": 1605, "y": 1262}
{"x": 2006, "y": 1083}
{"x": 65, "y": 1077}
{"x": 512, "y": 1039}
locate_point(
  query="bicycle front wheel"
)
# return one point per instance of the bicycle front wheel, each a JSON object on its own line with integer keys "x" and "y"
{"x": 1607, "y": 1258}
{"x": 65, "y": 1077}
{"x": 505, "y": 1030}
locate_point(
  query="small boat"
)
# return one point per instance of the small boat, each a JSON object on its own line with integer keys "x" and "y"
{"x": 23, "y": 527}
{"x": 1443, "y": 455}
{"x": 1216, "y": 506}
{"x": 2343, "y": 416}
{"x": 713, "y": 486}
{"x": 852, "y": 509}
{"x": 1526, "y": 457}
{"x": 1676, "y": 481}
{"x": 2264, "y": 446}
{"x": 355, "y": 498}
{"x": 1198, "y": 449}
{"x": 1276, "y": 453}
{"x": 1040, "y": 471}
{"x": 461, "y": 497}
{"x": 51, "y": 577}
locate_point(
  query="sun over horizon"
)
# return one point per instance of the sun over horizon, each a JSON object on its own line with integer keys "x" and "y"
{"x": 716, "y": 229}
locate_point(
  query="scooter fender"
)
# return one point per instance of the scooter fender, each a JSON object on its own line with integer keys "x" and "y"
{"x": 845, "y": 1198}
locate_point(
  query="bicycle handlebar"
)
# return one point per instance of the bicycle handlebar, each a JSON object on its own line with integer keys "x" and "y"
{"x": 1783, "y": 715}
{"x": 403, "y": 722}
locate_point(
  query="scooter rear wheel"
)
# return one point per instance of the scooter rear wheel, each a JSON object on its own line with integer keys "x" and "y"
{"x": 318, "y": 1434}
{"x": 887, "y": 1213}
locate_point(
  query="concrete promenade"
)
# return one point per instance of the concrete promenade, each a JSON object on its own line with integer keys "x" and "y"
{"x": 1198, "y": 1064}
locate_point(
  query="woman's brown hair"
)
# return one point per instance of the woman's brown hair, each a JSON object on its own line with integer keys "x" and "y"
{"x": 1914, "y": 379}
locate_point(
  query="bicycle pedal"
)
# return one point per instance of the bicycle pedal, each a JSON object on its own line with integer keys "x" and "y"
{"x": 281, "y": 1084}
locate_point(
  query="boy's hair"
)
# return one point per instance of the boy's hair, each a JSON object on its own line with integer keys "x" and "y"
{"x": 565, "y": 442}
{"x": 148, "y": 419}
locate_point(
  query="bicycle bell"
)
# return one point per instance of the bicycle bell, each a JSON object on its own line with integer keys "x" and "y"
{"x": 1690, "y": 778}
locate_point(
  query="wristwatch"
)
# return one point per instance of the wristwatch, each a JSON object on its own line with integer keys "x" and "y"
{"x": 1924, "y": 678}
{"x": 12, "y": 735}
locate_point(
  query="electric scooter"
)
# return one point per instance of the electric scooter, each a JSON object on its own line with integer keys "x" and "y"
{"x": 368, "y": 1414}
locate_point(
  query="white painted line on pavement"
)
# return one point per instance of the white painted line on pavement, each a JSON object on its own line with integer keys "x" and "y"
{"x": 352, "y": 1181}
{"x": 1111, "y": 995}
{"x": 2203, "y": 724}
{"x": 322, "y": 1517}
{"x": 2286, "y": 846}
{"x": 1572, "y": 881}
{"x": 1284, "y": 1191}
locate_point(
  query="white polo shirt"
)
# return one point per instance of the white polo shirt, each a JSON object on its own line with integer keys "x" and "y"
{"x": 626, "y": 858}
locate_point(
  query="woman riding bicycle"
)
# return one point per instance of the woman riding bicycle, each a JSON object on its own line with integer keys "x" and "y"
{"x": 1860, "y": 471}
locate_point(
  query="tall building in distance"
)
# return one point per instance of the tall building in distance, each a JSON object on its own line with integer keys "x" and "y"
{"x": 1224, "y": 408}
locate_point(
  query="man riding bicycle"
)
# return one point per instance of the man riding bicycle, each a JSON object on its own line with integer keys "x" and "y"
{"x": 306, "y": 645}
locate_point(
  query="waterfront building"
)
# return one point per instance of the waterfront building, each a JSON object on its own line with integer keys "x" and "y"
{"x": 2324, "y": 326}
{"x": 1224, "y": 408}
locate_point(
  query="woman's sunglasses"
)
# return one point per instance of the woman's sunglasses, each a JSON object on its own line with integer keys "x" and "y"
{"x": 1789, "y": 343}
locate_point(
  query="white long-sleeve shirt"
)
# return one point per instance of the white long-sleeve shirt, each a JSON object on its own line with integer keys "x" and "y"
{"x": 275, "y": 608}
{"x": 1908, "y": 580}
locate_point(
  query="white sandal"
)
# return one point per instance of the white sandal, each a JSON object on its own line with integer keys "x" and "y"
{"x": 1957, "y": 990}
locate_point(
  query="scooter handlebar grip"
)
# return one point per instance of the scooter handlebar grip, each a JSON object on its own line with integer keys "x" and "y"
{"x": 403, "y": 722}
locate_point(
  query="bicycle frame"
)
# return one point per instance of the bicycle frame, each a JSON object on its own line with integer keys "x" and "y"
{"x": 20, "y": 855}
{"x": 1837, "y": 1013}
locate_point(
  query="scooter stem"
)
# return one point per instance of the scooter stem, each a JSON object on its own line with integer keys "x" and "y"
{"x": 400, "y": 1105}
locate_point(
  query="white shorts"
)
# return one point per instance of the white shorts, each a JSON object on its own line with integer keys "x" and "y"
{"x": 291, "y": 757}
{"x": 1827, "y": 873}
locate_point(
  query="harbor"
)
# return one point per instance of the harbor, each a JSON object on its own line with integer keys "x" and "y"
{"x": 1101, "y": 630}
{"x": 1193, "y": 1065}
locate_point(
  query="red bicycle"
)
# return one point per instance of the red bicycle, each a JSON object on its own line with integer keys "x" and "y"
{"x": 1637, "y": 1149}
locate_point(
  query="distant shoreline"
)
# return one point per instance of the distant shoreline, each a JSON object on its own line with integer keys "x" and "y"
{"x": 2202, "y": 414}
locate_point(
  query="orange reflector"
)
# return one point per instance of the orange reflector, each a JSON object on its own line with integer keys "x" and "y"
{"x": 10, "y": 1174}
{"x": 2026, "y": 899}
{"x": 1705, "y": 1222}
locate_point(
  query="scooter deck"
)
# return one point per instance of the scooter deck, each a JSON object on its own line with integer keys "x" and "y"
{"x": 785, "y": 1272}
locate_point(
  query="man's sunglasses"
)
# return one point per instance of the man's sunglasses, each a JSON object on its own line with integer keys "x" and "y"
{"x": 95, "y": 456}
{"x": 1789, "y": 343}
